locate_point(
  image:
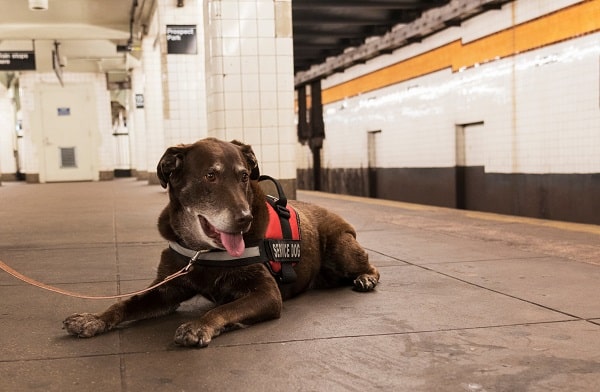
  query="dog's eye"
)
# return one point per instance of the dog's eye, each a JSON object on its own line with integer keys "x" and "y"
{"x": 210, "y": 176}
{"x": 245, "y": 177}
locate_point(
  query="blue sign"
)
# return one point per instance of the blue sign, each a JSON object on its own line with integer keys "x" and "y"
{"x": 64, "y": 111}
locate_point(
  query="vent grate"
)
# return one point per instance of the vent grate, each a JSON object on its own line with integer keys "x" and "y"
{"x": 67, "y": 157}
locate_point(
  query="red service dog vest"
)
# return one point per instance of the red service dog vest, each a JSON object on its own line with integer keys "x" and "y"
{"x": 282, "y": 240}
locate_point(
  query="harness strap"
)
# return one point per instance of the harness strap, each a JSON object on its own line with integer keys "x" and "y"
{"x": 282, "y": 244}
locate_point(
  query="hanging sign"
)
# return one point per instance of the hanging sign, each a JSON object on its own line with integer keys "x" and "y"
{"x": 181, "y": 39}
{"x": 17, "y": 61}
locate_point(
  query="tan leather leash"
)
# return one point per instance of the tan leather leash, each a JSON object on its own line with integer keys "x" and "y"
{"x": 44, "y": 286}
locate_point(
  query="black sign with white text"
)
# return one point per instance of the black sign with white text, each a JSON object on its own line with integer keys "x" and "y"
{"x": 181, "y": 39}
{"x": 17, "y": 61}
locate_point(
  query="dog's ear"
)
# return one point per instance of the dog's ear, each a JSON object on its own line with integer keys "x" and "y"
{"x": 171, "y": 162}
{"x": 250, "y": 159}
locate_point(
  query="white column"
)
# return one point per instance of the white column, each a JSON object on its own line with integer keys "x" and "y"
{"x": 250, "y": 84}
{"x": 154, "y": 135}
{"x": 184, "y": 75}
{"x": 7, "y": 134}
{"x": 136, "y": 124}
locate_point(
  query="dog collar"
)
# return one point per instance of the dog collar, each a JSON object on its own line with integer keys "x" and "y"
{"x": 218, "y": 255}
{"x": 218, "y": 258}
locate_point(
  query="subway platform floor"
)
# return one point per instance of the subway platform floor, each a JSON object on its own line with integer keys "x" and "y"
{"x": 467, "y": 301}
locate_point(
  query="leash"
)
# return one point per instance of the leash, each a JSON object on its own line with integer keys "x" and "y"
{"x": 54, "y": 289}
{"x": 271, "y": 251}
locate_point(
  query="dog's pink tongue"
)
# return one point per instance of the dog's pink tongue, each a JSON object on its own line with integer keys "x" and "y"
{"x": 234, "y": 243}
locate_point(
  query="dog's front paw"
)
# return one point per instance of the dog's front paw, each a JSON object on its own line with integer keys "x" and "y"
{"x": 365, "y": 282}
{"x": 191, "y": 335}
{"x": 84, "y": 325}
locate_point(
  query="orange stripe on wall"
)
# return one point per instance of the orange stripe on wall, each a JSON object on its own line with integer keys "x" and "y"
{"x": 558, "y": 26}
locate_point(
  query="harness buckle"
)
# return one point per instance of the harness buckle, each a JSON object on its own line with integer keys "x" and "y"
{"x": 189, "y": 266}
{"x": 193, "y": 259}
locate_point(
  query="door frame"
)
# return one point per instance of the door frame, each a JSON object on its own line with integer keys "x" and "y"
{"x": 372, "y": 162}
{"x": 462, "y": 180}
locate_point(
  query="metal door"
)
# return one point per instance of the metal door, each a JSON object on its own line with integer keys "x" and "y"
{"x": 66, "y": 133}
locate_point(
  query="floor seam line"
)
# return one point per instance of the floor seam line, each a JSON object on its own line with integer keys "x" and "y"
{"x": 487, "y": 288}
{"x": 122, "y": 354}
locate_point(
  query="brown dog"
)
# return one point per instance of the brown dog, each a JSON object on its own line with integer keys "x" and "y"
{"x": 216, "y": 203}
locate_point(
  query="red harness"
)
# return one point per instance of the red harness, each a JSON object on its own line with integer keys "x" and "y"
{"x": 285, "y": 250}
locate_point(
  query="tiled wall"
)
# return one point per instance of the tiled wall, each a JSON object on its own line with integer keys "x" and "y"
{"x": 7, "y": 133}
{"x": 136, "y": 124}
{"x": 152, "y": 136}
{"x": 239, "y": 85}
{"x": 539, "y": 109}
{"x": 183, "y": 76}
{"x": 250, "y": 79}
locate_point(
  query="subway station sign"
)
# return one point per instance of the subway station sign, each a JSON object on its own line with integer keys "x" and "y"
{"x": 181, "y": 39}
{"x": 17, "y": 61}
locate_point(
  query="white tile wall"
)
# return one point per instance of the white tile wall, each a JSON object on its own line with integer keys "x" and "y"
{"x": 28, "y": 148}
{"x": 7, "y": 133}
{"x": 557, "y": 107}
{"x": 511, "y": 13}
{"x": 185, "y": 114}
{"x": 238, "y": 86}
{"x": 250, "y": 89}
{"x": 532, "y": 9}
{"x": 136, "y": 123}
{"x": 153, "y": 138}
{"x": 539, "y": 108}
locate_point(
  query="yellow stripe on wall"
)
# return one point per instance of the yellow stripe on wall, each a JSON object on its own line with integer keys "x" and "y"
{"x": 571, "y": 22}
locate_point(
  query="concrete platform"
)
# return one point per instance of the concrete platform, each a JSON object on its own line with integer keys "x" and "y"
{"x": 467, "y": 302}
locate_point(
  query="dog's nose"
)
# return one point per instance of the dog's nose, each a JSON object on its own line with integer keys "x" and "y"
{"x": 244, "y": 218}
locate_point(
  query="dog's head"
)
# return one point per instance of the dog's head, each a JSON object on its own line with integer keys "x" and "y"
{"x": 210, "y": 192}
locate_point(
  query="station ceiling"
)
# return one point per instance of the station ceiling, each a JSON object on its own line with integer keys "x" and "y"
{"x": 90, "y": 30}
{"x": 87, "y": 33}
{"x": 325, "y": 28}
